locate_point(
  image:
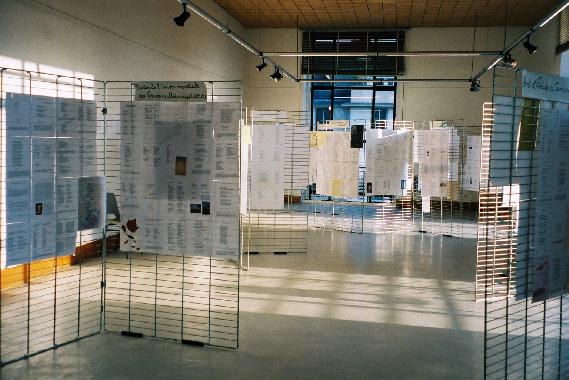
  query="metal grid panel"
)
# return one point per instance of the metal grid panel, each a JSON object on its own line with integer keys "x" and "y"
{"x": 48, "y": 303}
{"x": 190, "y": 299}
{"x": 524, "y": 339}
{"x": 455, "y": 215}
{"x": 282, "y": 231}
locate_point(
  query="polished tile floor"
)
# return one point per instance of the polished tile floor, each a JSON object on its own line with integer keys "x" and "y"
{"x": 355, "y": 306}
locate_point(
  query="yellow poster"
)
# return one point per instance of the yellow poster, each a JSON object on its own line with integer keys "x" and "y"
{"x": 317, "y": 139}
{"x": 337, "y": 187}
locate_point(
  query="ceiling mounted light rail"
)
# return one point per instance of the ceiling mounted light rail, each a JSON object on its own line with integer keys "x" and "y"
{"x": 184, "y": 16}
{"x": 508, "y": 62}
{"x": 277, "y": 76}
{"x": 280, "y": 72}
{"x": 531, "y": 48}
{"x": 524, "y": 36}
{"x": 384, "y": 80}
{"x": 475, "y": 85}
{"x": 384, "y": 54}
{"x": 262, "y": 65}
{"x": 217, "y": 24}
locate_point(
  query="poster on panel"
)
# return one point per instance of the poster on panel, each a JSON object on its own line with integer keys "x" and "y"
{"x": 471, "y": 176}
{"x": 92, "y": 203}
{"x": 245, "y": 154}
{"x": 50, "y": 143}
{"x": 180, "y": 178}
{"x": 387, "y": 163}
{"x": 434, "y": 165}
{"x": 267, "y": 167}
{"x": 551, "y": 245}
{"x": 335, "y": 164}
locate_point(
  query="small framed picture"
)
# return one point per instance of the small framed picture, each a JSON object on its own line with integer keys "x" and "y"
{"x": 181, "y": 163}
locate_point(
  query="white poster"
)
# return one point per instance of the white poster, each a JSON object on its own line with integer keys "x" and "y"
{"x": 336, "y": 164}
{"x": 49, "y": 144}
{"x": 175, "y": 172}
{"x": 552, "y": 211}
{"x": 471, "y": 176}
{"x": 92, "y": 203}
{"x": 387, "y": 163}
{"x": 434, "y": 164}
{"x": 244, "y": 170}
{"x": 267, "y": 167}
{"x": 181, "y": 91}
{"x": 545, "y": 86}
{"x": 67, "y": 203}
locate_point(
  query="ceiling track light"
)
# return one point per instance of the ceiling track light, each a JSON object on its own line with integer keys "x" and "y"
{"x": 508, "y": 62}
{"x": 531, "y": 48}
{"x": 261, "y": 66}
{"x": 277, "y": 76}
{"x": 184, "y": 16}
{"x": 475, "y": 85}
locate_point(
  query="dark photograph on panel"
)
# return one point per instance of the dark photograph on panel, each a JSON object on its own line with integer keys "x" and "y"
{"x": 195, "y": 208}
{"x": 205, "y": 208}
{"x": 181, "y": 163}
{"x": 357, "y": 136}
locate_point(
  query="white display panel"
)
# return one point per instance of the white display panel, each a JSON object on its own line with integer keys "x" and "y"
{"x": 434, "y": 163}
{"x": 387, "y": 163}
{"x": 552, "y": 209}
{"x": 471, "y": 176}
{"x": 50, "y": 144}
{"x": 335, "y": 164}
{"x": 267, "y": 167}
{"x": 180, "y": 178}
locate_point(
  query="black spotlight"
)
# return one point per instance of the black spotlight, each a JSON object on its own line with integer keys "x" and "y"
{"x": 531, "y": 48}
{"x": 475, "y": 85}
{"x": 183, "y": 17}
{"x": 277, "y": 76}
{"x": 508, "y": 62}
{"x": 262, "y": 65}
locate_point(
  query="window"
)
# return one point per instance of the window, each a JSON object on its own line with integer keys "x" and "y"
{"x": 350, "y": 41}
{"x": 360, "y": 103}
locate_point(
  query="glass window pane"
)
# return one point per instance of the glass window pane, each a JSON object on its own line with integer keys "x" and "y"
{"x": 353, "y": 104}
{"x": 321, "y": 106}
{"x": 384, "y": 104}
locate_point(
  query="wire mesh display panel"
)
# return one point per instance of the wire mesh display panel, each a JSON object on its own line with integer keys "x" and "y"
{"x": 455, "y": 214}
{"x": 185, "y": 298}
{"x": 330, "y": 212}
{"x": 526, "y": 334}
{"x": 52, "y": 294}
{"x": 281, "y": 230}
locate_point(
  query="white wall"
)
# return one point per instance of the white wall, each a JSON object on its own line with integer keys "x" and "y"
{"x": 261, "y": 92}
{"x": 117, "y": 40}
{"x": 454, "y": 101}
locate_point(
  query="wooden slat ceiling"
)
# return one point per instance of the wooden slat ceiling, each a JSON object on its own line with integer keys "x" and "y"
{"x": 385, "y": 13}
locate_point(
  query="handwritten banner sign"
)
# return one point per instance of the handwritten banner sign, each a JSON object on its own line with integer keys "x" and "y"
{"x": 170, "y": 91}
{"x": 545, "y": 87}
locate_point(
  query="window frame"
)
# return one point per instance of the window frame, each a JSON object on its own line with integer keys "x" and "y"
{"x": 332, "y": 86}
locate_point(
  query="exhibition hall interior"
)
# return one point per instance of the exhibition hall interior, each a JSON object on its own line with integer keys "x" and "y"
{"x": 263, "y": 189}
